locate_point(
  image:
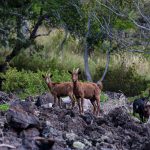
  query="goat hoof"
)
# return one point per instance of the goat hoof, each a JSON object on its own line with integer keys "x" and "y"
{"x": 54, "y": 105}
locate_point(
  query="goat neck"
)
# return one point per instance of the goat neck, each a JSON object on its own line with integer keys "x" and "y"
{"x": 50, "y": 86}
{"x": 75, "y": 84}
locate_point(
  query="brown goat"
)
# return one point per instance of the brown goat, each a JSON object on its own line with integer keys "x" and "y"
{"x": 59, "y": 90}
{"x": 86, "y": 90}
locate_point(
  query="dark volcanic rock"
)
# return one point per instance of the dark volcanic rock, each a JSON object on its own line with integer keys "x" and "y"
{"x": 88, "y": 118}
{"x": 5, "y": 98}
{"x": 21, "y": 115}
{"x": 44, "y": 144}
{"x": 31, "y": 132}
{"x": 62, "y": 129}
{"x": 119, "y": 116}
{"x": 43, "y": 99}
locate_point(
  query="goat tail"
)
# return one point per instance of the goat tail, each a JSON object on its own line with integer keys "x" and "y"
{"x": 100, "y": 85}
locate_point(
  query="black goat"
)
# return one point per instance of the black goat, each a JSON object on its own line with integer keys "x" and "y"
{"x": 139, "y": 106}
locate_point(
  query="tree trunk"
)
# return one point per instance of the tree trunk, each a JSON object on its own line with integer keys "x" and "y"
{"x": 21, "y": 42}
{"x": 107, "y": 63}
{"x": 108, "y": 52}
{"x": 62, "y": 43}
{"x": 86, "y": 53}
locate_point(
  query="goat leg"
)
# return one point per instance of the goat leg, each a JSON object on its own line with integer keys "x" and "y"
{"x": 72, "y": 101}
{"x": 98, "y": 106}
{"x": 55, "y": 98}
{"x": 94, "y": 107}
{"x": 79, "y": 105}
{"x": 60, "y": 102}
{"x": 82, "y": 103}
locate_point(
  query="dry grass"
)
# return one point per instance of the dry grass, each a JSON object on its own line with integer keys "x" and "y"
{"x": 73, "y": 55}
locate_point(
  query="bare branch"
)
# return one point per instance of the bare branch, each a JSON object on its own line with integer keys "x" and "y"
{"x": 2, "y": 31}
{"x": 138, "y": 8}
{"x": 16, "y": 14}
{"x": 86, "y": 51}
{"x": 111, "y": 9}
{"x": 138, "y": 51}
{"x": 108, "y": 51}
{"x": 63, "y": 41}
{"x": 138, "y": 25}
{"x": 8, "y": 146}
{"x": 107, "y": 63}
{"x": 110, "y": 34}
{"x": 38, "y": 23}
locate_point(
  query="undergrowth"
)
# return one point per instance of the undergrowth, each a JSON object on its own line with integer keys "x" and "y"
{"x": 4, "y": 107}
{"x": 128, "y": 72}
{"x": 25, "y": 83}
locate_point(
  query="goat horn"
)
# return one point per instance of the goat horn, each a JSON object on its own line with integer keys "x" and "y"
{"x": 77, "y": 70}
{"x": 49, "y": 74}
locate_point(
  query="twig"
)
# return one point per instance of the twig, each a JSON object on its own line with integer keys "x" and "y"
{"x": 111, "y": 9}
{"x": 107, "y": 62}
{"x": 2, "y": 31}
{"x": 7, "y": 145}
{"x": 123, "y": 15}
{"x": 139, "y": 51}
{"x": 146, "y": 18}
{"x": 86, "y": 50}
{"x": 138, "y": 25}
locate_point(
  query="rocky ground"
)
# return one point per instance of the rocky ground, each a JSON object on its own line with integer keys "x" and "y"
{"x": 34, "y": 125}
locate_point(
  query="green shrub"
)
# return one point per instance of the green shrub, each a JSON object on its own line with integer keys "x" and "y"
{"x": 4, "y": 107}
{"x": 26, "y": 83}
{"x": 123, "y": 79}
{"x": 103, "y": 97}
{"x": 47, "y": 55}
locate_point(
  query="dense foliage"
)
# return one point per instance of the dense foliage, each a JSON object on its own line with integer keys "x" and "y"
{"x": 26, "y": 83}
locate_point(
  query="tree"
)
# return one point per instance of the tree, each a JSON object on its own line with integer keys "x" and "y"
{"x": 20, "y": 21}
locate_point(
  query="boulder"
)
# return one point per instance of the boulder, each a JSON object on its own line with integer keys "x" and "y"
{"x": 71, "y": 136}
{"x": 29, "y": 133}
{"x": 44, "y": 143}
{"x": 6, "y": 98}
{"x": 21, "y": 115}
{"x": 78, "y": 145}
{"x": 43, "y": 99}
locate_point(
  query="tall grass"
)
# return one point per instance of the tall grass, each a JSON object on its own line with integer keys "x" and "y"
{"x": 73, "y": 55}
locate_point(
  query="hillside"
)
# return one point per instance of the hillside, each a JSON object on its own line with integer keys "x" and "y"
{"x": 26, "y": 126}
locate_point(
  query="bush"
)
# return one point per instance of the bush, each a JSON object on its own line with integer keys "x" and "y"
{"x": 26, "y": 83}
{"x": 4, "y": 107}
{"x": 123, "y": 79}
{"x": 103, "y": 97}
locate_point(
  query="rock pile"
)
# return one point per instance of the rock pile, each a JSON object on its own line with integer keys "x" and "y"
{"x": 27, "y": 127}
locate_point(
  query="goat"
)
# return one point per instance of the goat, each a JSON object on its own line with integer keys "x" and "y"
{"x": 59, "y": 90}
{"x": 147, "y": 111}
{"x": 87, "y": 90}
{"x": 139, "y": 107}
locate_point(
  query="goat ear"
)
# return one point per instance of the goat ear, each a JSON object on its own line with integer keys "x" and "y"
{"x": 43, "y": 76}
{"x": 51, "y": 76}
{"x": 70, "y": 72}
